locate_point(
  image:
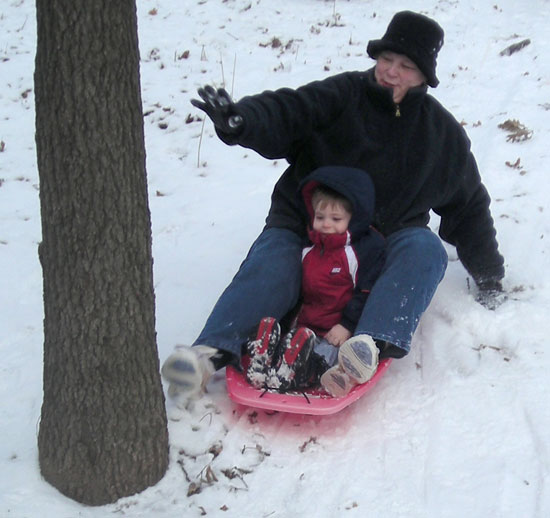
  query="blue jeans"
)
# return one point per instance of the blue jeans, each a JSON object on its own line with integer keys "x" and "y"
{"x": 415, "y": 265}
{"x": 267, "y": 285}
{"x": 269, "y": 280}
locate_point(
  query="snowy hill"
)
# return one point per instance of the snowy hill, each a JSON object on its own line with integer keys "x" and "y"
{"x": 457, "y": 428}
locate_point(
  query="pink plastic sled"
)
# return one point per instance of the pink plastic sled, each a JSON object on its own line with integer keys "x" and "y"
{"x": 311, "y": 402}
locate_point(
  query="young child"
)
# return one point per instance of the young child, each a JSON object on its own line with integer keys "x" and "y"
{"x": 339, "y": 267}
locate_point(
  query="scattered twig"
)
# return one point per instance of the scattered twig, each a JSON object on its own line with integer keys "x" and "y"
{"x": 311, "y": 440}
{"x": 499, "y": 350}
{"x": 200, "y": 143}
{"x": 180, "y": 462}
{"x": 223, "y": 73}
{"x": 515, "y": 165}
{"x": 508, "y": 51}
{"x": 209, "y": 414}
{"x": 210, "y": 476}
{"x": 481, "y": 347}
{"x": 258, "y": 448}
{"x": 22, "y": 26}
{"x": 233, "y": 78}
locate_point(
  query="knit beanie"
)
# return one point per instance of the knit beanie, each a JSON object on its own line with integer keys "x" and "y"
{"x": 416, "y": 36}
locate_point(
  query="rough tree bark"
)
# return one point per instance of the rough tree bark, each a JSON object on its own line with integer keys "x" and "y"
{"x": 103, "y": 430}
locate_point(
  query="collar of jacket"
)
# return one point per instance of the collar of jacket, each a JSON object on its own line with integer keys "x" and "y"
{"x": 329, "y": 241}
{"x": 383, "y": 97}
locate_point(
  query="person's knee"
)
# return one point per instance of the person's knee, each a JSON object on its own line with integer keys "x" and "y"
{"x": 277, "y": 241}
{"x": 433, "y": 248}
{"x": 277, "y": 254}
{"x": 424, "y": 249}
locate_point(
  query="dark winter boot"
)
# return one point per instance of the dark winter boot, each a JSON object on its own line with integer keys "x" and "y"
{"x": 293, "y": 370}
{"x": 262, "y": 351}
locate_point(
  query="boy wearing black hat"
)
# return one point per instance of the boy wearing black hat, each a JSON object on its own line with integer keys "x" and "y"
{"x": 383, "y": 121}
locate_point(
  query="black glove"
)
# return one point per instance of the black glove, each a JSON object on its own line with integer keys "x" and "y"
{"x": 220, "y": 108}
{"x": 490, "y": 293}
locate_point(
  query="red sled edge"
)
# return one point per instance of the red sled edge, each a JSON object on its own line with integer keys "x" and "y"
{"x": 316, "y": 402}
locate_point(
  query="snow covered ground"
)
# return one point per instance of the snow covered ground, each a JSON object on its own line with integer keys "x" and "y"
{"x": 457, "y": 428}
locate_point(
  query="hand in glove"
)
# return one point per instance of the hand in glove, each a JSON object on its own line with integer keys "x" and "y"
{"x": 490, "y": 294}
{"x": 219, "y": 107}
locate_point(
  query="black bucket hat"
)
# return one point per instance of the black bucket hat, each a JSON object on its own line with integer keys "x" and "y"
{"x": 416, "y": 36}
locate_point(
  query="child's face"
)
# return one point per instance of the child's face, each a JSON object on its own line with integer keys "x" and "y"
{"x": 331, "y": 219}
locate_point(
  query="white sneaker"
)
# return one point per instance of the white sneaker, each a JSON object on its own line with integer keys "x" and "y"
{"x": 336, "y": 382}
{"x": 357, "y": 364}
{"x": 188, "y": 369}
{"x": 358, "y": 357}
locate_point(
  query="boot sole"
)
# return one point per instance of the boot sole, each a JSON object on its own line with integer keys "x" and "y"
{"x": 182, "y": 370}
{"x": 358, "y": 357}
{"x": 336, "y": 382}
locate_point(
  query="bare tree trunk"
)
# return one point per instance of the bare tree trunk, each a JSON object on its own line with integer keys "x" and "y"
{"x": 103, "y": 431}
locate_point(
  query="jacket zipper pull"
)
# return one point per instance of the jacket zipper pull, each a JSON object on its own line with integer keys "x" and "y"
{"x": 397, "y": 111}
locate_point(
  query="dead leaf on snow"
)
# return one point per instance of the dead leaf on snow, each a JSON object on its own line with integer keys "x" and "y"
{"x": 517, "y": 132}
{"x": 193, "y": 489}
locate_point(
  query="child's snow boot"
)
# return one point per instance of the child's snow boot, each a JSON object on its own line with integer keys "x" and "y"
{"x": 293, "y": 371}
{"x": 262, "y": 351}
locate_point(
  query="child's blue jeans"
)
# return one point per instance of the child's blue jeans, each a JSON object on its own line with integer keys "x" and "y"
{"x": 269, "y": 280}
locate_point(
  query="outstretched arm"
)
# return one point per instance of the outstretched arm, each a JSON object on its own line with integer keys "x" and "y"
{"x": 275, "y": 123}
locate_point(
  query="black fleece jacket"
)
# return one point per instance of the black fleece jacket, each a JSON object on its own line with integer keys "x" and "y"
{"x": 416, "y": 152}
